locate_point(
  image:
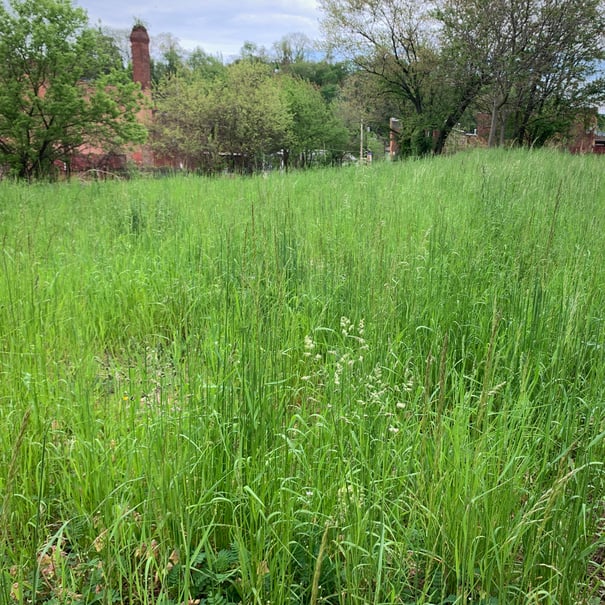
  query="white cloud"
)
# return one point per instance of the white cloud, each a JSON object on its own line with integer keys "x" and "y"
{"x": 217, "y": 27}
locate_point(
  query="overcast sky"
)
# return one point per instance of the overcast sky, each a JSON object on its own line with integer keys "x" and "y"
{"x": 217, "y": 26}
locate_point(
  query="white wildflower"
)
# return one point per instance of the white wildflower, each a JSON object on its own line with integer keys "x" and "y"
{"x": 309, "y": 345}
{"x": 345, "y": 325}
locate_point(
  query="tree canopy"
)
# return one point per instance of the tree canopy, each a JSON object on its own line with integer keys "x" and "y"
{"x": 61, "y": 86}
{"x": 531, "y": 66}
{"x": 240, "y": 117}
{"x": 209, "y": 122}
{"x": 530, "y": 62}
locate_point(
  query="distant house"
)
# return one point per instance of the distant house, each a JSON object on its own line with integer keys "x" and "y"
{"x": 585, "y": 135}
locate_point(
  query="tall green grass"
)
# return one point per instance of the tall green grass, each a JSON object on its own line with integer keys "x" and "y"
{"x": 378, "y": 385}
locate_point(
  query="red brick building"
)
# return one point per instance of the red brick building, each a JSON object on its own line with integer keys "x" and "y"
{"x": 96, "y": 159}
{"x": 585, "y": 135}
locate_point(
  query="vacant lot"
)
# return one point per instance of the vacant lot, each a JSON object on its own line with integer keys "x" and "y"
{"x": 378, "y": 385}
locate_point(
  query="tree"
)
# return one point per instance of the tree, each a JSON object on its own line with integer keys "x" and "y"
{"x": 565, "y": 43}
{"x": 47, "y": 109}
{"x": 205, "y": 65}
{"x": 292, "y": 48}
{"x": 255, "y": 119}
{"x": 252, "y": 52}
{"x": 532, "y": 57}
{"x": 503, "y": 25}
{"x": 171, "y": 57}
{"x": 383, "y": 38}
{"x": 119, "y": 40}
{"x": 470, "y": 45}
{"x": 232, "y": 120}
{"x": 328, "y": 77}
{"x": 394, "y": 42}
{"x": 107, "y": 56}
{"x": 433, "y": 79}
{"x": 183, "y": 126}
{"x": 242, "y": 116}
{"x": 315, "y": 130}
{"x": 538, "y": 57}
{"x": 360, "y": 102}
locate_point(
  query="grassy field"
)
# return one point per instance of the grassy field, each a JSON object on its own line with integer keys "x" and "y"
{"x": 359, "y": 386}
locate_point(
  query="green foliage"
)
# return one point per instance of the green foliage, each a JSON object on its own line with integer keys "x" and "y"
{"x": 328, "y": 77}
{"x": 172, "y": 60}
{"x": 206, "y": 66}
{"x": 370, "y": 385}
{"x": 532, "y": 65}
{"x": 256, "y": 119}
{"x": 292, "y": 49}
{"x": 253, "y": 53}
{"x": 47, "y": 107}
{"x": 261, "y": 111}
{"x": 231, "y": 121}
{"x": 187, "y": 121}
{"x": 107, "y": 57}
{"x": 239, "y": 116}
{"x": 314, "y": 128}
{"x": 211, "y": 578}
{"x": 538, "y": 61}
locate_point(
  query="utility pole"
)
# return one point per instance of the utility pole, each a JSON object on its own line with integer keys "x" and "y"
{"x": 361, "y": 143}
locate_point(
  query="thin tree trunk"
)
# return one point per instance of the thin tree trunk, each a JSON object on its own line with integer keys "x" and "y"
{"x": 502, "y": 129}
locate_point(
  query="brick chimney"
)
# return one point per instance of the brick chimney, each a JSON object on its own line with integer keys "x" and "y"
{"x": 394, "y": 130}
{"x": 141, "y": 63}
